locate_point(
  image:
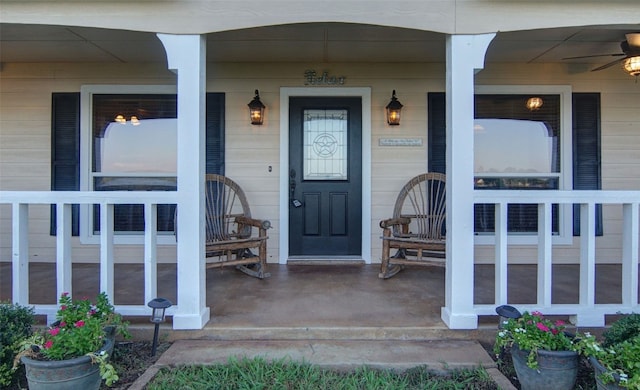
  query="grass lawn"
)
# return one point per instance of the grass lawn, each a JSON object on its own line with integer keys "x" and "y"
{"x": 258, "y": 373}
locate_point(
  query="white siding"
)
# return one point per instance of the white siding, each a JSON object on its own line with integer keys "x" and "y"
{"x": 25, "y": 142}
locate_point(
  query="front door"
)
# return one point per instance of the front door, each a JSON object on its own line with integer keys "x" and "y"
{"x": 325, "y": 176}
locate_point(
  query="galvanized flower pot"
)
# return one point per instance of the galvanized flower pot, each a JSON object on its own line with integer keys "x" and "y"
{"x": 556, "y": 370}
{"x": 598, "y": 370}
{"x": 70, "y": 374}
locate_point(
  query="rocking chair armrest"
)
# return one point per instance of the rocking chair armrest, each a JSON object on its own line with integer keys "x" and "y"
{"x": 386, "y": 223}
{"x": 259, "y": 223}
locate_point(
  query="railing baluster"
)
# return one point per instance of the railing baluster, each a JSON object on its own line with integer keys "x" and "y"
{"x": 630, "y": 232}
{"x": 20, "y": 258}
{"x": 150, "y": 251}
{"x": 501, "y": 257}
{"x": 587, "y": 254}
{"x": 544, "y": 255}
{"x": 106, "y": 249}
{"x": 63, "y": 249}
{"x": 587, "y": 316}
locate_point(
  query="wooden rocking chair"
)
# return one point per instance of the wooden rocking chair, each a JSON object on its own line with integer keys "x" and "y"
{"x": 417, "y": 229}
{"x": 230, "y": 229}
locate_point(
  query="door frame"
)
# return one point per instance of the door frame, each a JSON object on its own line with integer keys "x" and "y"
{"x": 364, "y": 93}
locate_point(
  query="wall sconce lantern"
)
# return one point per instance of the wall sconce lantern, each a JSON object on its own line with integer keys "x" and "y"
{"x": 256, "y": 110}
{"x": 393, "y": 110}
{"x": 159, "y": 305}
{"x": 631, "y": 65}
{"x": 534, "y": 103}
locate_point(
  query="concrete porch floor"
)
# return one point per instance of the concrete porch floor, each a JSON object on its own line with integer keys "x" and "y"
{"x": 313, "y": 301}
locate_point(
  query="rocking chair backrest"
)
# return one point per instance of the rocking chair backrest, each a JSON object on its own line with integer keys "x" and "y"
{"x": 423, "y": 200}
{"x": 224, "y": 201}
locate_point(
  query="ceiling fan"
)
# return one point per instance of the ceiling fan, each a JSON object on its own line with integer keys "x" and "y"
{"x": 630, "y": 55}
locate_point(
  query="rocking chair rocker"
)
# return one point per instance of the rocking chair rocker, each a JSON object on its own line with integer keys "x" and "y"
{"x": 417, "y": 229}
{"x": 230, "y": 229}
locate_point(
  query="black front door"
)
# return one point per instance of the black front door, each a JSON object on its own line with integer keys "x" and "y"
{"x": 325, "y": 176}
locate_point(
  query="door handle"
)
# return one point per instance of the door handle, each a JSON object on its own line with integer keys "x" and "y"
{"x": 292, "y": 183}
{"x": 292, "y": 189}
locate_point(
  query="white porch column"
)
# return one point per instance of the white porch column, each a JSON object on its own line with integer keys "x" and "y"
{"x": 186, "y": 55}
{"x": 465, "y": 55}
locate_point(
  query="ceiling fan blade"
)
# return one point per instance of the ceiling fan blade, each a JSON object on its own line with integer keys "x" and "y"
{"x": 610, "y": 64}
{"x": 596, "y": 55}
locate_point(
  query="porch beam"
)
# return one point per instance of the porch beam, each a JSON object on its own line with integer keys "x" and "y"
{"x": 186, "y": 55}
{"x": 465, "y": 55}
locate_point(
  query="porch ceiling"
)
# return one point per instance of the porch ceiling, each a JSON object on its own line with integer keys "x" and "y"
{"x": 313, "y": 42}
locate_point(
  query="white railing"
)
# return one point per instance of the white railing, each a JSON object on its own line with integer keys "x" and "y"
{"x": 586, "y": 312}
{"x": 21, "y": 200}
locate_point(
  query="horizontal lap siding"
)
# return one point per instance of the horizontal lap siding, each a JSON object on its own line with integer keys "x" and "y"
{"x": 250, "y": 150}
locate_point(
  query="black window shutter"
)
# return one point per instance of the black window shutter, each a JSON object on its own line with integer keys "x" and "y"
{"x": 65, "y": 151}
{"x": 586, "y": 152}
{"x": 215, "y": 133}
{"x": 436, "y": 133}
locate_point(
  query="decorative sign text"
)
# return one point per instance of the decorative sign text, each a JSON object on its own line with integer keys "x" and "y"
{"x": 312, "y": 78}
{"x": 400, "y": 142}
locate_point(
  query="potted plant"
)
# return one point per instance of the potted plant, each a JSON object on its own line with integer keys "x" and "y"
{"x": 74, "y": 351}
{"x": 617, "y": 366}
{"x": 616, "y": 361}
{"x": 544, "y": 355}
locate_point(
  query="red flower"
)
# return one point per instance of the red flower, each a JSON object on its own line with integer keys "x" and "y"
{"x": 63, "y": 307}
{"x": 555, "y": 331}
{"x": 542, "y": 327}
{"x": 48, "y": 344}
{"x": 536, "y": 313}
{"x": 559, "y": 323}
{"x": 63, "y": 324}
{"x": 79, "y": 324}
{"x": 54, "y": 331}
{"x": 64, "y": 294}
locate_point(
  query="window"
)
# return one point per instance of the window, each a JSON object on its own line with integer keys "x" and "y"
{"x": 134, "y": 139}
{"x": 96, "y": 146}
{"x": 514, "y": 148}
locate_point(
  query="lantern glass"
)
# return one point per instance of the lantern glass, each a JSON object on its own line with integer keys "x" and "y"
{"x": 157, "y": 315}
{"x": 256, "y": 110}
{"x": 394, "y": 108}
{"x": 393, "y": 117}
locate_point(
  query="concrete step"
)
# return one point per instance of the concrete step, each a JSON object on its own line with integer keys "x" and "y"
{"x": 440, "y": 355}
{"x": 484, "y": 333}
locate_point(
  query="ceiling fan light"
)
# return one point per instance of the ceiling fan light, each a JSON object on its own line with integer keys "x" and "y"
{"x": 631, "y": 65}
{"x": 534, "y": 103}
